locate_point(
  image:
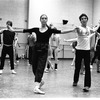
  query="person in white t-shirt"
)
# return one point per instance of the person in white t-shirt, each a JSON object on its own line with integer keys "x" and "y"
{"x": 55, "y": 42}
{"x": 84, "y": 34}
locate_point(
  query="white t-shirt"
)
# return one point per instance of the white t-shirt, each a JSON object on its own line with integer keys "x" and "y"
{"x": 84, "y": 38}
{"x": 55, "y": 39}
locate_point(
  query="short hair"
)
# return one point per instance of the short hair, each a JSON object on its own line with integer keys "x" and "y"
{"x": 9, "y": 22}
{"x": 82, "y": 16}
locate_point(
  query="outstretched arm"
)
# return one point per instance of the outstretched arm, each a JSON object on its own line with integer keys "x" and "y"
{"x": 70, "y": 40}
{"x": 13, "y": 30}
{"x": 56, "y": 31}
{"x": 68, "y": 31}
{"x": 1, "y": 31}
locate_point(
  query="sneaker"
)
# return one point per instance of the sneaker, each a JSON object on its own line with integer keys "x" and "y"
{"x": 86, "y": 89}
{"x": 38, "y": 91}
{"x": 55, "y": 69}
{"x": 74, "y": 84}
{"x": 91, "y": 66}
{"x": 1, "y": 71}
{"x": 41, "y": 84}
{"x": 13, "y": 72}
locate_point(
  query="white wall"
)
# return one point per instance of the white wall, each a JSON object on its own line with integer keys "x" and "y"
{"x": 15, "y": 10}
{"x": 57, "y": 10}
{"x": 96, "y": 12}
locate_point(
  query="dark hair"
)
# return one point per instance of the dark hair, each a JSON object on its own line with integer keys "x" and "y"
{"x": 9, "y": 22}
{"x": 82, "y": 16}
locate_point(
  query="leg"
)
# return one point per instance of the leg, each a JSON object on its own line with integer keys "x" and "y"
{"x": 39, "y": 72}
{"x": 3, "y": 55}
{"x": 78, "y": 61}
{"x": 98, "y": 63}
{"x": 29, "y": 55}
{"x": 56, "y": 58}
{"x": 73, "y": 61}
{"x": 11, "y": 56}
{"x": 41, "y": 66}
{"x": 87, "y": 79}
{"x": 34, "y": 60}
{"x": 47, "y": 66}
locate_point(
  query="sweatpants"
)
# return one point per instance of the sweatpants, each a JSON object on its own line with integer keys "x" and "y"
{"x": 7, "y": 50}
{"x": 83, "y": 54}
{"x": 39, "y": 59}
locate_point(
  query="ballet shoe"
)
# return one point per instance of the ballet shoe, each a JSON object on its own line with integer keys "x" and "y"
{"x": 38, "y": 91}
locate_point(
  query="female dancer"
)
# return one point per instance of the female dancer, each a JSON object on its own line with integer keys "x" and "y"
{"x": 40, "y": 50}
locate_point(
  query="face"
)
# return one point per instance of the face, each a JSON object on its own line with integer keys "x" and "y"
{"x": 84, "y": 20}
{"x": 8, "y": 24}
{"x": 43, "y": 19}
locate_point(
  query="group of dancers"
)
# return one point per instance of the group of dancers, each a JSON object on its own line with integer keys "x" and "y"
{"x": 42, "y": 45}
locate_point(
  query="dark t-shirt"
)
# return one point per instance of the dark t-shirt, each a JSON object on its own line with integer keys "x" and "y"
{"x": 42, "y": 37}
{"x": 8, "y": 37}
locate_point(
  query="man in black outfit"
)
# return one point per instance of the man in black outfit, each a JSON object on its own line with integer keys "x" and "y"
{"x": 8, "y": 38}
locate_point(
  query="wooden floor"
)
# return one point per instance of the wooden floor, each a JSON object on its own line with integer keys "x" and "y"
{"x": 58, "y": 84}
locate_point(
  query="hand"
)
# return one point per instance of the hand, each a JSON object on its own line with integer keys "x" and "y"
{"x": 77, "y": 28}
{"x": 10, "y": 28}
{"x": 52, "y": 27}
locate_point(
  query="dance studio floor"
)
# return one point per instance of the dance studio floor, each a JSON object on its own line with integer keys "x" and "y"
{"x": 58, "y": 84}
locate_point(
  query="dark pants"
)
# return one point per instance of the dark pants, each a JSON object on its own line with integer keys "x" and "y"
{"x": 83, "y": 54}
{"x": 30, "y": 55}
{"x": 7, "y": 50}
{"x": 39, "y": 59}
